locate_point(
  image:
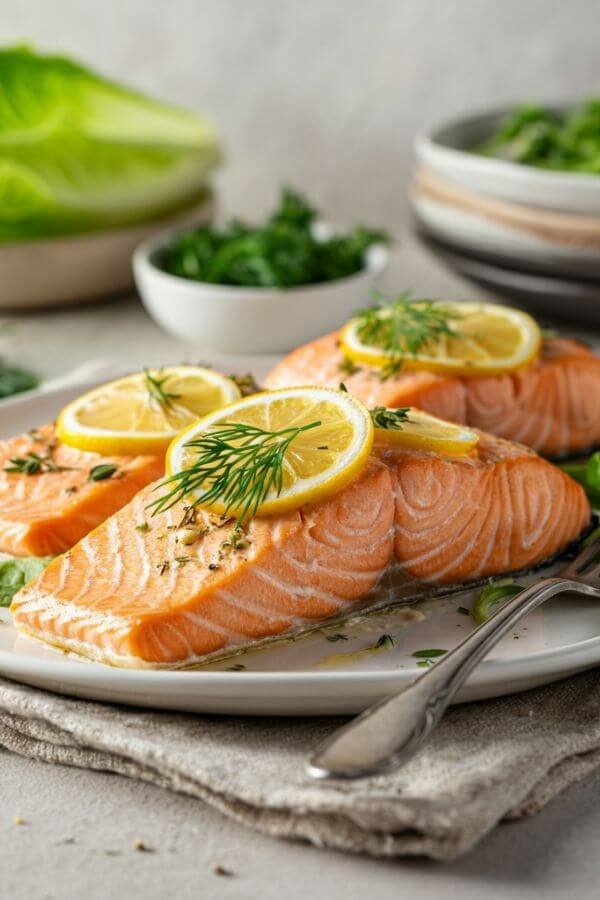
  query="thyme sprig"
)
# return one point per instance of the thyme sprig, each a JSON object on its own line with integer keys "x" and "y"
{"x": 403, "y": 327}
{"x": 389, "y": 419}
{"x": 157, "y": 393}
{"x": 237, "y": 464}
{"x": 32, "y": 463}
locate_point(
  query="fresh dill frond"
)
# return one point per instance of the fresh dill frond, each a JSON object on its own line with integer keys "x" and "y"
{"x": 404, "y": 327}
{"x": 389, "y": 419}
{"x": 237, "y": 464}
{"x": 157, "y": 393}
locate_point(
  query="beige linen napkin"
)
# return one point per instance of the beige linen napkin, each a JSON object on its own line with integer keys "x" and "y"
{"x": 489, "y": 761}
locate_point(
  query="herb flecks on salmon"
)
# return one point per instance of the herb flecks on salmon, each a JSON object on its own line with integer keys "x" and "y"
{"x": 408, "y": 515}
{"x": 50, "y": 501}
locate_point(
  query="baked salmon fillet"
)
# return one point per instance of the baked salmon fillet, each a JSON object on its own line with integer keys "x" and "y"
{"x": 173, "y": 589}
{"x": 45, "y": 512}
{"x": 552, "y": 406}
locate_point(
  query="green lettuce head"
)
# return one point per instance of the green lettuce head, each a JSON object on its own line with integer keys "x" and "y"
{"x": 79, "y": 153}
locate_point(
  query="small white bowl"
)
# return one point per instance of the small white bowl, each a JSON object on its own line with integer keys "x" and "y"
{"x": 82, "y": 267}
{"x": 234, "y": 319}
{"x": 446, "y": 151}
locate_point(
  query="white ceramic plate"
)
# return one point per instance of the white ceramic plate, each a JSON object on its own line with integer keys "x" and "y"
{"x": 445, "y": 150}
{"x": 313, "y": 675}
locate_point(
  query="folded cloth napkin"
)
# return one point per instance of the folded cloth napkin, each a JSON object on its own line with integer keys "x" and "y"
{"x": 488, "y": 761}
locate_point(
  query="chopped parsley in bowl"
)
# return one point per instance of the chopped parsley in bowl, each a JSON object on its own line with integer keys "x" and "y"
{"x": 289, "y": 249}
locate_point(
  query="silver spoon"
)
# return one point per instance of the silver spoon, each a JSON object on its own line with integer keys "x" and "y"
{"x": 388, "y": 734}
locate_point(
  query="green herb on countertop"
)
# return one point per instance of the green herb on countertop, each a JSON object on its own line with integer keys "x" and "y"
{"x": 15, "y": 573}
{"x": 14, "y": 380}
{"x": 403, "y": 327}
{"x": 587, "y": 473}
{"x": 284, "y": 252}
{"x": 237, "y": 464}
{"x": 102, "y": 471}
{"x": 537, "y": 136}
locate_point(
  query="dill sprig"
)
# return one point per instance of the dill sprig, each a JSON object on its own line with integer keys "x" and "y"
{"x": 389, "y": 419}
{"x": 237, "y": 464}
{"x": 157, "y": 392}
{"x": 403, "y": 327}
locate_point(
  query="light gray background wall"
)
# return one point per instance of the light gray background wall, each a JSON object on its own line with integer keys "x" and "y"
{"x": 325, "y": 94}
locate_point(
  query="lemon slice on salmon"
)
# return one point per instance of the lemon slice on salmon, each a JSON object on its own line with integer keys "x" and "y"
{"x": 142, "y": 413}
{"x": 413, "y": 429}
{"x": 269, "y": 453}
{"x": 458, "y": 338}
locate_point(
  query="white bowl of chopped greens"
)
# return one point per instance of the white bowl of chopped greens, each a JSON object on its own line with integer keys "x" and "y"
{"x": 546, "y": 157}
{"x": 88, "y": 170}
{"x": 259, "y": 289}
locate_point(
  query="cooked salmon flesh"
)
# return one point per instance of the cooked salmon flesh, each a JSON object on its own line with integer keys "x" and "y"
{"x": 175, "y": 588}
{"x": 552, "y": 406}
{"x": 52, "y": 499}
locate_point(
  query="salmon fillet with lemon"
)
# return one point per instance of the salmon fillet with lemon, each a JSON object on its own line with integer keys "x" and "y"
{"x": 57, "y": 494}
{"x": 178, "y": 587}
{"x": 552, "y": 405}
{"x": 57, "y": 483}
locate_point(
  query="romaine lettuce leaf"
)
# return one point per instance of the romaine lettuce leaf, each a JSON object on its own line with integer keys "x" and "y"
{"x": 14, "y": 573}
{"x": 78, "y": 152}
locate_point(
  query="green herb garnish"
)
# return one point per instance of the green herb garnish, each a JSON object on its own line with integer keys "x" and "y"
{"x": 334, "y": 638}
{"x": 236, "y": 463}
{"x": 284, "y": 252}
{"x": 389, "y": 419}
{"x": 32, "y": 464}
{"x": 492, "y": 597}
{"x": 587, "y": 473}
{"x": 348, "y": 366}
{"x": 536, "y": 136}
{"x": 102, "y": 471}
{"x": 246, "y": 383}
{"x": 385, "y": 642}
{"x": 157, "y": 393}
{"x": 14, "y": 380}
{"x": 428, "y": 654}
{"x": 14, "y": 573}
{"x": 403, "y": 327}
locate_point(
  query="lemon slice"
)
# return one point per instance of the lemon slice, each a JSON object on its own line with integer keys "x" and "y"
{"x": 324, "y": 435}
{"x": 142, "y": 413}
{"x": 421, "y": 431}
{"x": 486, "y": 340}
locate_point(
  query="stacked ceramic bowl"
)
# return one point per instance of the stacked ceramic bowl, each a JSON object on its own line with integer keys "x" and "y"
{"x": 530, "y": 234}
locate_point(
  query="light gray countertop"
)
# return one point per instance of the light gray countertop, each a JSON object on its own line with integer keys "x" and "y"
{"x": 78, "y": 840}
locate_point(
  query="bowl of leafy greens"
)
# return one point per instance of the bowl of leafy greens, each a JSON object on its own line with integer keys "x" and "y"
{"x": 259, "y": 288}
{"x": 88, "y": 169}
{"x": 546, "y": 157}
